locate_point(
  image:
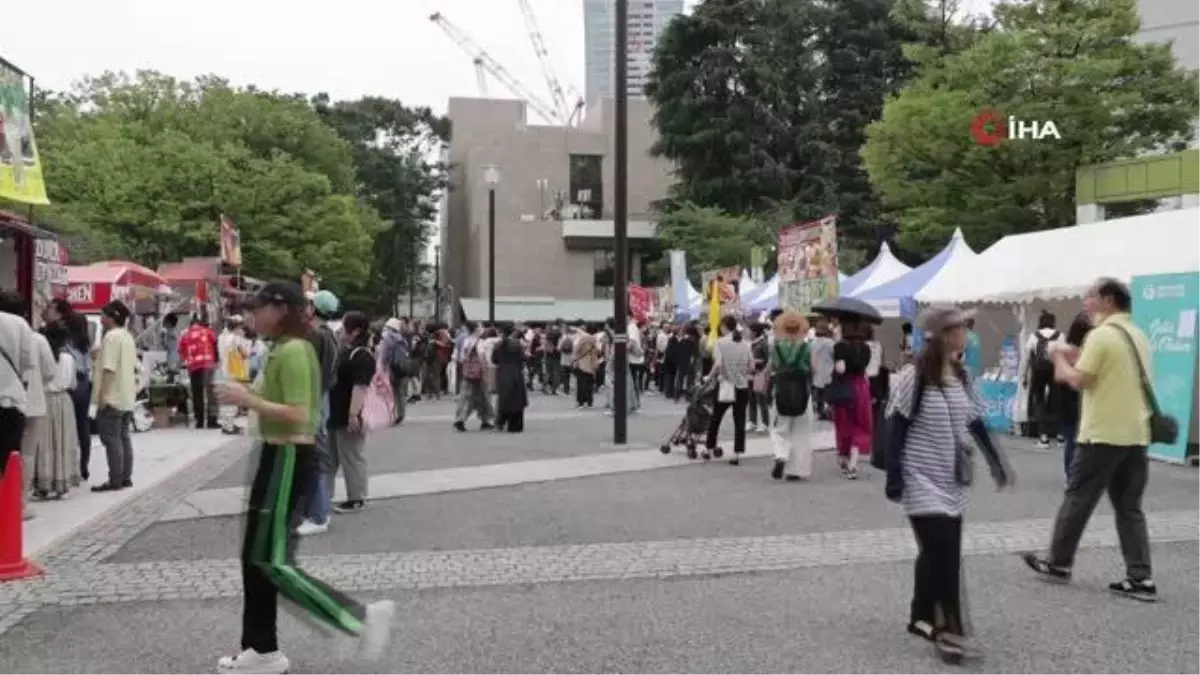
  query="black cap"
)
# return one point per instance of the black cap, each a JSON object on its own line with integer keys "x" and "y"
{"x": 284, "y": 293}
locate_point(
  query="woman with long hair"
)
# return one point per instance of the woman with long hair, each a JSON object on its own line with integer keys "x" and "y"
{"x": 347, "y": 438}
{"x": 933, "y": 415}
{"x": 791, "y": 366}
{"x": 511, "y": 394}
{"x": 732, "y": 368}
{"x": 760, "y": 393}
{"x": 1069, "y": 397}
{"x": 286, "y": 401}
{"x": 56, "y": 466}
{"x": 852, "y": 415}
{"x": 79, "y": 344}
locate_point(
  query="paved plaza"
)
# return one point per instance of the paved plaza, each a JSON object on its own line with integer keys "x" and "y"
{"x": 554, "y": 550}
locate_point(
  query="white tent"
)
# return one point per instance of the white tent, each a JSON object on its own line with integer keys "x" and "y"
{"x": 882, "y": 269}
{"x": 896, "y": 297}
{"x": 1064, "y": 262}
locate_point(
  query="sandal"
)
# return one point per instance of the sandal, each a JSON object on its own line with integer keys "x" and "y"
{"x": 923, "y": 630}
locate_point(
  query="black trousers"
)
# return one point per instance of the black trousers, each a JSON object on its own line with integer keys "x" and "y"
{"x": 81, "y": 398}
{"x": 1043, "y": 403}
{"x": 269, "y": 549}
{"x": 12, "y": 430}
{"x": 741, "y": 398}
{"x": 512, "y": 422}
{"x": 640, "y": 373}
{"x": 585, "y": 393}
{"x": 937, "y": 588}
{"x": 203, "y": 408}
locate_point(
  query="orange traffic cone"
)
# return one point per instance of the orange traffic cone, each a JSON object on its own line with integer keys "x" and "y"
{"x": 13, "y": 564}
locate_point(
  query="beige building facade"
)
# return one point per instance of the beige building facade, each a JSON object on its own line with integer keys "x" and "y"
{"x": 554, "y": 201}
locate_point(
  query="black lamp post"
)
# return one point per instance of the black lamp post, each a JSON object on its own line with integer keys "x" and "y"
{"x": 491, "y": 176}
{"x": 621, "y": 382}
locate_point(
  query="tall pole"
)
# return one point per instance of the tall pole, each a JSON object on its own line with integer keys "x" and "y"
{"x": 437, "y": 282}
{"x": 621, "y": 227}
{"x": 412, "y": 280}
{"x": 492, "y": 255}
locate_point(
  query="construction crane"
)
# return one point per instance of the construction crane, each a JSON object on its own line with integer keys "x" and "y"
{"x": 557, "y": 96}
{"x": 481, "y": 77}
{"x": 493, "y": 67}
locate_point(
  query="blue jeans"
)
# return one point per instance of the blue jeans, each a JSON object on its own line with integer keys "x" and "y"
{"x": 1070, "y": 430}
{"x": 321, "y": 495}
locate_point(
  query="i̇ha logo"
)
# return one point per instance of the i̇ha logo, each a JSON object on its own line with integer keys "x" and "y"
{"x": 990, "y": 127}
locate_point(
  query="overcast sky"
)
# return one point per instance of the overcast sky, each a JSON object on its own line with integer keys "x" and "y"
{"x": 347, "y": 48}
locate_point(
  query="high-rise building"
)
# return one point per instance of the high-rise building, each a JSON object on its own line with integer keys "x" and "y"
{"x": 647, "y": 20}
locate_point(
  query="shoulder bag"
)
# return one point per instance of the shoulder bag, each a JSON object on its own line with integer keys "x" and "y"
{"x": 1163, "y": 428}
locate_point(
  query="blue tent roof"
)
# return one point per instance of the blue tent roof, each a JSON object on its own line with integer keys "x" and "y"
{"x": 907, "y": 285}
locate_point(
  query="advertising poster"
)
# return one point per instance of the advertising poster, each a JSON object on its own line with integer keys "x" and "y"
{"x": 641, "y": 302}
{"x": 726, "y": 282}
{"x": 1164, "y": 307}
{"x": 20, "y": 169}
{"x": 808, "y": 264}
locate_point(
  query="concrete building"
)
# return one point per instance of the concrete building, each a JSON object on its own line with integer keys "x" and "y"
{"x": 647, "y": 20}
{"x": 554, "y": 202}
{"x": 1172, "y": 179}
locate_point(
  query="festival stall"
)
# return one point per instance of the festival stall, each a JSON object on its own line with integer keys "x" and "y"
{"x": 32, "y": 263}
{"x": 90, "y": 287}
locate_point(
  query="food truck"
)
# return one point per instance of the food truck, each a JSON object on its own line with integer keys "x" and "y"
{"x": 32, "y": 263}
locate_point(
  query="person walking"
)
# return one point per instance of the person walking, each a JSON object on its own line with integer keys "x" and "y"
{"x": 1112, "y": 374}
{"x": 760, "y": 392}
{"x": 1038, "y": 379}
{"x": 114, "y": 395}
{"x": 934, "y": 415}
{"x": 732, "y": 368}
{"x": 822, "y": 345}
{"x": 55, "y": 467}
{"x": 566, "y": 357}
{"x": 585, "y": 361}
{"x": 473, "y": 397}
{"x": 347, "y": 438}
{"x": 287, "y": 401}
{"x": 1069, "y": 397}
{"x": 790, "y": 366}
{"x": 852, "y": 415}
{"x": 198, "y": 351}
{"x": 511, "y": 393}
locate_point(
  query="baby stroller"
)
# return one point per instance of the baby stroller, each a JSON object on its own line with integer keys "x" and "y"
{"x": 694, "y": 425}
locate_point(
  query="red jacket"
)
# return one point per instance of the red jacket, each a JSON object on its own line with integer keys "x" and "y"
{"x": 198, "y": 348}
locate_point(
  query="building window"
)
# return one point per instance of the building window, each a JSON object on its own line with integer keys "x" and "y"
{"x": 586, "y": 188}
{"x": 603, "y": 273}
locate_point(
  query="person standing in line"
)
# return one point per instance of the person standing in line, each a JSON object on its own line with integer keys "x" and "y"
{"x": 198, "y": 350}
{"x": 35, "y": 445}
{"x": 55, "y": 468}
{"x": 16, "y": 363}
{"x": 79, "y": 344}
{"x": 760, "y": 393}
{"x": 511, "y": 393}
{"x": 732, "y": 367}
{"x": 1069, "y": 397}
{"x": 322, "y": 306}
{"x": 1112, "y": 373}
{"x": 852, "y": 418}
{"x": 585, "y": 361}
{"x": 1038, "y": 379}
{"x": 473, "y": 397}
{"x": 934, "y": 413}
{"x": 790, "y": 364}
{"x": 286, "y": 401}
{"x": 114, "y": 394}
{"x": 347, "y": 438}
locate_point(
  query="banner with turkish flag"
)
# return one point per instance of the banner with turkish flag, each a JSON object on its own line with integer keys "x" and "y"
{"x": 641, "y": 302}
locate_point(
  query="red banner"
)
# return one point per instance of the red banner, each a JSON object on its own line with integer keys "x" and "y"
{"x": 641, "y": 302}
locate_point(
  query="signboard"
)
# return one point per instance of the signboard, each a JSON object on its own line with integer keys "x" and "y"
{"x": 679, "y": 281}
{"x": 1164, "y": 307}
{"x": 808, "y": 264}
{"x": 20, "y": 169}
{"x": 641, "y": 302}
{"x": 726, "y": 281}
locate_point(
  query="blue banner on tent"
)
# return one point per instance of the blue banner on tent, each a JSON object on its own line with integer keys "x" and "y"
{"x": 999, "y": 401}
{"x": 1164, "y": 306}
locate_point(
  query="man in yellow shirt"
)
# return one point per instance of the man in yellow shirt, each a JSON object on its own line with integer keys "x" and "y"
{"x": 113, "y": 395}
{"x": 1114, "y": 430}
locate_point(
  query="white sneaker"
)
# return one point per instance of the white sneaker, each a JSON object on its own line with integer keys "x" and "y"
{"x": 250, "y": 661}
{"x": 308, "y": 527}
{"x": 377, "y": 628}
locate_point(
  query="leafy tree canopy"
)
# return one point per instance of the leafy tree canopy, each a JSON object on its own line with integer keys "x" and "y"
{"x": 711, "y": 237}
{"x": 142, "y": 166}
{"x": 1072, "y": 62}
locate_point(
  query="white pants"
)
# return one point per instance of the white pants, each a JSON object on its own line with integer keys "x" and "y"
{"x": 791, "y": 437}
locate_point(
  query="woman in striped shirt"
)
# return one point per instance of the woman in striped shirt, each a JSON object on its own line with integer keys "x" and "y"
{"x": 933, "y": 416}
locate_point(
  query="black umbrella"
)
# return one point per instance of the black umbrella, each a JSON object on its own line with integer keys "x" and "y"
{"x": 848, "y": 308}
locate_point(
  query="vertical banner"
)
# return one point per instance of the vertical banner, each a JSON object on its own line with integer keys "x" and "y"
{"x": 758, "y": 259}
{"x": 231, "y": 243}
{"x": 1164, "y": 307}
{"x": 808, "y": 264}
{"x": 20, "y": 168}
{"x": 679, "y": 281}
{"x": 725, "y": 283}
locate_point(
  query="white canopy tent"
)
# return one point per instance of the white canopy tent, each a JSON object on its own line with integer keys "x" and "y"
{"x": 882, "y": 269}
{"x": 896, "y": 297}
{"x": 1064, "y": 262}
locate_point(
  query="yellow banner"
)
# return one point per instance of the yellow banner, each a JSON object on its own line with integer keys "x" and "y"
{"x": 20, "y": 168}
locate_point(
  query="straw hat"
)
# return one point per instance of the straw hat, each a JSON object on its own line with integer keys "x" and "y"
{"x": 791, "y": 325}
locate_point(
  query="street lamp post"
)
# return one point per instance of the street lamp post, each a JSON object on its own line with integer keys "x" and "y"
{"x": 437, "y": 282}
{"x": 491, "y": 176}
{"x": 621, "y": 382}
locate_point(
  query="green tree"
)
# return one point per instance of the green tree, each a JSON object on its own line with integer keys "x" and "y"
{"x": 1072, "y": 62}
{"x": 149, "y": 163}
{"x": 392, "y": 145}
{"x": 711, "y": 237}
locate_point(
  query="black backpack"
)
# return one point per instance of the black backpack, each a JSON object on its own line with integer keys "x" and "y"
{"x": 792, "y": 384}
{"x": 1040, "y": 359}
